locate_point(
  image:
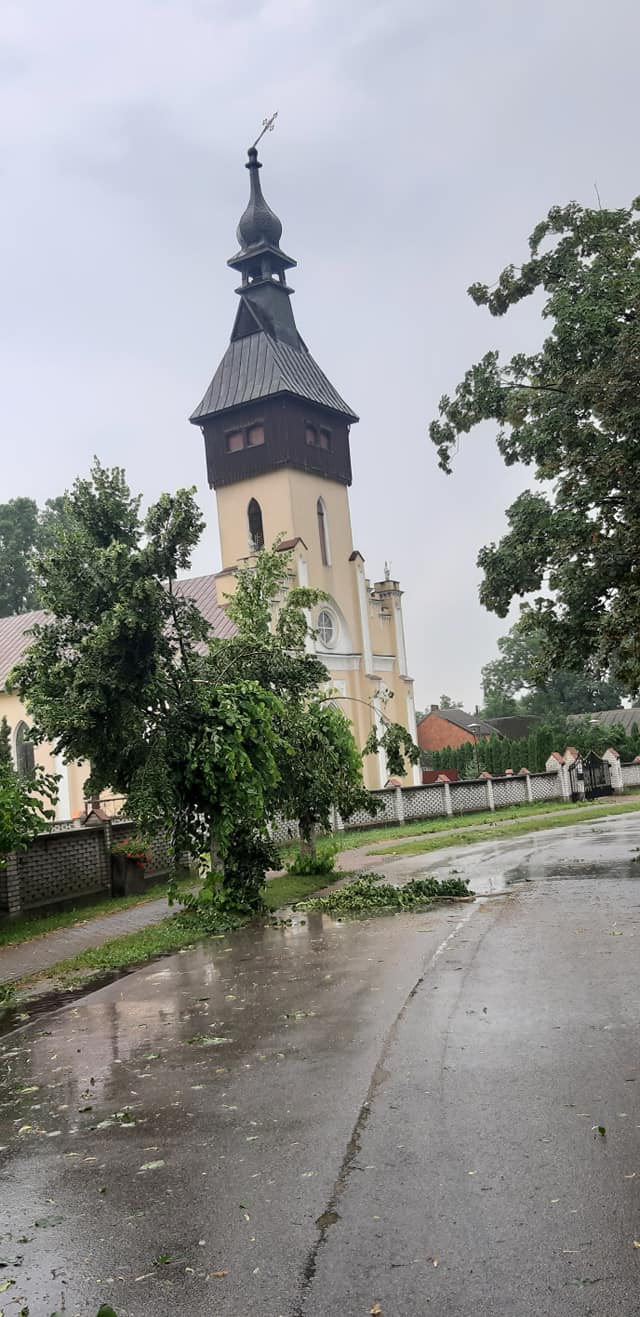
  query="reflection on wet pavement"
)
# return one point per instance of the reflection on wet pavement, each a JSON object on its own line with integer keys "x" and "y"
{"x": 165, "y": 1112}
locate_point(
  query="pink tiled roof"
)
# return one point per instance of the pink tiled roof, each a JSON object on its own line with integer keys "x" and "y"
{"x": 14, "y": 631}
{"x": 14, "y": 639}
{"x": 202, "y": 589}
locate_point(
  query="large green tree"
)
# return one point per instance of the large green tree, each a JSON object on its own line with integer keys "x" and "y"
{"x": 511, "y": 683}
{"x": 213, "y": 737}
{"x": 24, "y": 530}
{"x": 122, "y": 677}
{"x": 19, "y": 532}
{"x": 571, "y": 411}
{"x": 320, "y": 767}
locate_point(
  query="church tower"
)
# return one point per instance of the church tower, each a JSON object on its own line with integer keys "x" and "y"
{"x": 276, "y": 435}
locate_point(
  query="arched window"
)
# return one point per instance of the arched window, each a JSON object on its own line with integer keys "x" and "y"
{"x": 327, "y": 629}
{"x": 323, "y": 533}
{"x": 25, "y": 753}
{"x": 256, "y": 533}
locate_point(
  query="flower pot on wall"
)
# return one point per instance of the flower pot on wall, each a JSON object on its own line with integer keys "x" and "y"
{"x": 127, "y": 875}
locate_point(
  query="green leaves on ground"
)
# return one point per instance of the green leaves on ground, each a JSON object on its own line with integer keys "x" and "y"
{"x": 369, "y": 896}
{"x": 571, "y": 411}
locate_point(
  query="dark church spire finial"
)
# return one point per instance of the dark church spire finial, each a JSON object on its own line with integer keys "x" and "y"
{"x": 259, "y": 224}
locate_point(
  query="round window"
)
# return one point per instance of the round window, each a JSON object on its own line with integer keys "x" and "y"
{"x": 326, "y": 627}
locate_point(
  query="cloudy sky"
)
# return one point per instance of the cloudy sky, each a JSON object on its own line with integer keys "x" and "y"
{"x": 418, "y": 142}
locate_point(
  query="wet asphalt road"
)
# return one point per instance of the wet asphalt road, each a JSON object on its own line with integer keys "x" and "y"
{"x": 402, "y": 1112}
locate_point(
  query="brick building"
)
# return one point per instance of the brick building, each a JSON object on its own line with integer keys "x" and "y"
{"x": 440, "y": 728}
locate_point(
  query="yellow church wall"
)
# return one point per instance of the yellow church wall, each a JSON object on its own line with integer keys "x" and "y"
{"x": 288, "y": 501}
{"x": 273, "y": 493}
{"x": 370, "y": 639}
{"x": 71, "y": 788}
{"x": 12, "y": 708}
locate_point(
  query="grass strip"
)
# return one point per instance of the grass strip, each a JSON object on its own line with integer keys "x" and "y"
{"x": 350, "y": 840}
{"x": 469, "y": 838}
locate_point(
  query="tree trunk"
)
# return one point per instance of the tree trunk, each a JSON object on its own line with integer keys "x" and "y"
{"x": 215, "y": 858}
{"x": 307, "y": 837}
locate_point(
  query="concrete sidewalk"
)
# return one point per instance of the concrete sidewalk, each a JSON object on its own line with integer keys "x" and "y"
{"x": 43, "y": 952}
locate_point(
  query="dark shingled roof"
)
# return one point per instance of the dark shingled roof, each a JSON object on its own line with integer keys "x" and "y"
{"x": 626, "y": 718}
{"x": 15, "y": 640}
{"x": 257, "y": 366}
{"x": 516, "y": 727}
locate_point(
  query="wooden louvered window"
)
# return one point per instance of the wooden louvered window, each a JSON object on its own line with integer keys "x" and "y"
{"x": 317, "y": 438}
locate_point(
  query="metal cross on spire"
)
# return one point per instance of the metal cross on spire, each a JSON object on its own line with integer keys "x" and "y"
{"x": 268, "y": 126}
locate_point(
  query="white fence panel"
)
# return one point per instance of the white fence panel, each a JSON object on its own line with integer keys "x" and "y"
{"x": 545, "y": 786}
{"x": 468, "y": 796}
{"x": 631, "y": 775}
{"x": 387, "y": 814}
{"x": 424, "y": 802}
{"x": 283, "y": 830}
{"x": 509, "y": 791}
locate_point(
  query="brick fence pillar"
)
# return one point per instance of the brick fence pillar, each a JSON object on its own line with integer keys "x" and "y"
{"x": 488, "y": 786}
{"x": 14, "y": 904}
{"x": 528, "y": 788}
{"x": 398, "y": 805}
{"x": 613, "y": 760}
{"x": 448, "y": 804}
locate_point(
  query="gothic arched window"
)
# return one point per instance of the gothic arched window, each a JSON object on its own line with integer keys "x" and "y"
{"x": 323, "y": 532}
{"x": 25, "y": 753}
{"x": 256, "y": 533}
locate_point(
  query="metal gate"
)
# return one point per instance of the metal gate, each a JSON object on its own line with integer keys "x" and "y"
{"x": 597, "y": 776}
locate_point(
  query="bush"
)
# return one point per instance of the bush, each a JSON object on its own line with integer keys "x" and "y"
{"x": 26, "y": 807}
{"x": 321, "y": 861}
{"x": 223, "y": 901}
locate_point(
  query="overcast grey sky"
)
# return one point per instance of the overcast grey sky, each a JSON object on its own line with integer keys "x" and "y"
{"x": 418, "y": 142}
